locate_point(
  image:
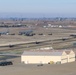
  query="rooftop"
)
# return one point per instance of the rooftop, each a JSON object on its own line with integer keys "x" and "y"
{"x": 52, "y": 53}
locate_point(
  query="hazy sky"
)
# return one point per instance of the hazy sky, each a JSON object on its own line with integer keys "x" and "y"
{"x": 42, "y": 7}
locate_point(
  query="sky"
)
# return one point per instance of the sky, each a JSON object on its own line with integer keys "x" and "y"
{"x": 35, "y": 8}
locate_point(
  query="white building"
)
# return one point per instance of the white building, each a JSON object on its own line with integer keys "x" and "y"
{"x": 71, "y": 56}
{"x": 35, "y": 57}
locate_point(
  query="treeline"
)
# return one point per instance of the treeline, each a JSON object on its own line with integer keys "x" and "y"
{"x": 6, "y": 26}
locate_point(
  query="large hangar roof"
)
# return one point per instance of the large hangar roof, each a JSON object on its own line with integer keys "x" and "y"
{"x": 43, "y": 53}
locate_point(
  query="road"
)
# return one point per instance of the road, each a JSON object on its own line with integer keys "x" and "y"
{"x": 10, "y": 55}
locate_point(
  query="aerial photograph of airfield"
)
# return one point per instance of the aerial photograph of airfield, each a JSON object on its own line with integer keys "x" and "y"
{"x": 37, "y": 37}
{"x": 38, "y": 46}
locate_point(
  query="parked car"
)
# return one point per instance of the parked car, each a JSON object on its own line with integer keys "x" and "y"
{"x": 5, "y": 63}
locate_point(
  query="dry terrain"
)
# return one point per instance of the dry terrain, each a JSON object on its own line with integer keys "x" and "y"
{"x": 59, "y": 38}
{"x": 22, "y": 69}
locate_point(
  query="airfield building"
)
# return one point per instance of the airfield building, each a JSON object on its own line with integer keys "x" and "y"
{"x": 45, "y": 57}
{"x": 71, "y": 56}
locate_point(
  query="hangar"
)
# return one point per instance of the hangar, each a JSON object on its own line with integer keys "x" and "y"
{"x": 71, "y": 56}
{"x": 44, "y": 57}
